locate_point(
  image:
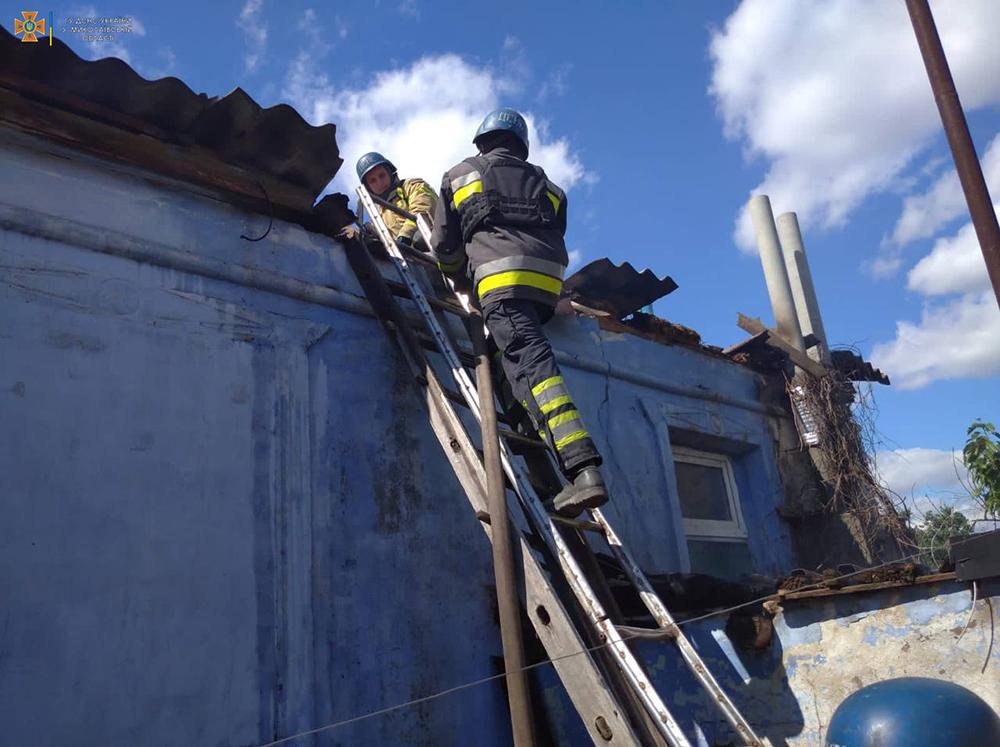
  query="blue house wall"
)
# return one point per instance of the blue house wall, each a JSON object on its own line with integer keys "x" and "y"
{"x": 225, "y": 516}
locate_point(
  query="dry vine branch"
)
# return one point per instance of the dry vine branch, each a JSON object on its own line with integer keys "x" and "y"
{"x": 847, "y": 437}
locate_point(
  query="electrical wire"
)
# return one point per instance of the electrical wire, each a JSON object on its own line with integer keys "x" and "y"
{"x": 972, "y": 610}
{"x": 484, "y": 680}
{"x": 270, "y": 217}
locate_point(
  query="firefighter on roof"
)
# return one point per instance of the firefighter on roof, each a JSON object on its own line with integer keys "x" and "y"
{"x": 379, "y": 175}
{"x": 499, "y": 225}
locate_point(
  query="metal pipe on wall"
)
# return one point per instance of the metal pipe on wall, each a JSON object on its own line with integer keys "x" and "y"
{"x": 73, "y": 233}
{"x": 970, "y": 173}
{"x": 803, "y": 290}
{"x": 775, "y": 274}
{"x": 504, "y": 566}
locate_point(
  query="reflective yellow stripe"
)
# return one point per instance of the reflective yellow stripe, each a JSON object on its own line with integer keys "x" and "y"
{"x": 543, "y": 385}
{"x": 520, "y": 277}
{"x": 553, "y": 199}
{"x": 468, "y": 190}
{"x": 575, "y": 436}
{"x": 450, "y": 266}
{"x": 553, "y": 404}
{"x": 556, "y": 420}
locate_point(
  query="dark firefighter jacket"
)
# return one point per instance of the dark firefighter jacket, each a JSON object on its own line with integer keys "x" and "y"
{"x": 504, "y": 217}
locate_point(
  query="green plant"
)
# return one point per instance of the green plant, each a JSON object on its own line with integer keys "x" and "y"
{"x": 932, "y": 536}
{"x": 982, "y": 459}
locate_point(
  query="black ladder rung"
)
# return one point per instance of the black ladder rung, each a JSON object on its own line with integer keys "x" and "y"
{"x": 517, "y": 438}
{"x": 582, "y": 524}
{"x": 398, "y": 289}
{"x": 454, "y": 396}
{"x": 429, "y": 343}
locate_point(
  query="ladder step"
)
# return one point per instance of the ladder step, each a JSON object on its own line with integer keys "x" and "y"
{"x": 400, "y": 290}
{"x": 454, "y": 396}
{"x": 649, "y": 634}
{"x": 429, "y": 343}
{"x": 582, "y": 524}
{"x": 516, "y": 438}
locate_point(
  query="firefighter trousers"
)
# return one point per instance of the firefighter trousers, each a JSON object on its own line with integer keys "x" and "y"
{"x": 530, "y": 368}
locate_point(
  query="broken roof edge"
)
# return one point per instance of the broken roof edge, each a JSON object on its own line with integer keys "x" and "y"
{"x": 664, "y": 332}
{"x": 276, "y": 141}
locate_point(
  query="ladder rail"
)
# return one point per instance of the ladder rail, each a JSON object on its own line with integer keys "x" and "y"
{"x": 585, "y": 683}
{"x": 652, "y": 600}
{"x": 667, "y": 623}
{"x": 543, "y": 523}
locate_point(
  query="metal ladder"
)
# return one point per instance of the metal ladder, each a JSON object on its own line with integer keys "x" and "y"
{"x": 591, "y": 687}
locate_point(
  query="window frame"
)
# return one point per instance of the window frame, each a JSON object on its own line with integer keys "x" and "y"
{"x": 713, "y": 529}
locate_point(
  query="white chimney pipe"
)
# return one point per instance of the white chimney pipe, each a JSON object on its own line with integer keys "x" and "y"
{"x": 775, "y": 274}
{"x": 803, "y": 291}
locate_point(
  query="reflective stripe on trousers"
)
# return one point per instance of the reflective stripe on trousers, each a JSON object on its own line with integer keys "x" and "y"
{"x": 530, "y": 366}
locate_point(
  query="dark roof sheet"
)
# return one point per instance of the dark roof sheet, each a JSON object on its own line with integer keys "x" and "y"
{"x": 276, "y": 141}
{"x": 856, "y": 368}
{"x": 617, "y": 289}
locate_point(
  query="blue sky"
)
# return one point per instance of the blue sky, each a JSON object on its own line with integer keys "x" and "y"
{"x": 661, "y": 119}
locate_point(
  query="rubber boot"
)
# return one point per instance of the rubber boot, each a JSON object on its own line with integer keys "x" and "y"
{"x": 586, "y": 491}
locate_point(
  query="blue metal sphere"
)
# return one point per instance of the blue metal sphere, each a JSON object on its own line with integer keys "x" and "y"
{"x": 913, "y": 712}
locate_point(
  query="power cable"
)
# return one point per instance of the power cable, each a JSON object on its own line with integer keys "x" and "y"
{"x": 475, "y": 683}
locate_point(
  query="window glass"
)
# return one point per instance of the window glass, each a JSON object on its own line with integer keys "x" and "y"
{"x": 702, "y": 492}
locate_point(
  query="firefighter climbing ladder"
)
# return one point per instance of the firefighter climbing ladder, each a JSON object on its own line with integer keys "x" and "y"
{"x": 591, "y": 687}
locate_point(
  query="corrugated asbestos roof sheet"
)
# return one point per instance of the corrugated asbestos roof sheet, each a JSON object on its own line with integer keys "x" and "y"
{"x": 276, "y": 141}
{"x": 616, "y": 289}
{"x": 856, "y": 368}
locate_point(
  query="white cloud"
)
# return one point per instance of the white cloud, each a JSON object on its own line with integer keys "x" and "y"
{"x": 927, "y": 478}
{"x": 835, "y": 96}
{"x": 555, "y": 84}
{"x": 422, "y": 117}
{"x": 575, "y": 259}
{"x": 251, "y": 22}
{"x": 955, "y": 339}
{"x": 954, "y": 265}
{"x": 924, "y": 214}
{"x": 905, "y": 470}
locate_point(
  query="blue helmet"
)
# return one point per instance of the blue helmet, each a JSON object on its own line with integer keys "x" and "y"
{"x": 370, "y": 160}
{"x": 506, "y": 120}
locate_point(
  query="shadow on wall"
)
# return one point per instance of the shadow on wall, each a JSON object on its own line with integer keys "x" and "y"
{"x": 755, "y": 681}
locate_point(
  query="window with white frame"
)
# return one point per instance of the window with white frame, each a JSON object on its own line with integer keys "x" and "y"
{"x": 710, "y": 503}
{"x": 710, "y": 506}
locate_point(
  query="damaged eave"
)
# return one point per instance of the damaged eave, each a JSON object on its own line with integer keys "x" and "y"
{"x": 933, "y": 578}
{"x": 614, "y": 290}
{"x": 855, "y": 368}
{"x": 269, "y": 161}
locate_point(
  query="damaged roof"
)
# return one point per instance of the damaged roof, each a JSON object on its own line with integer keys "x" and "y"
{"x": 618, "y": 290}
{"x": 856, "y": 368}
{"x": 275, "y": 142}
{"x": 274, "y": 147}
